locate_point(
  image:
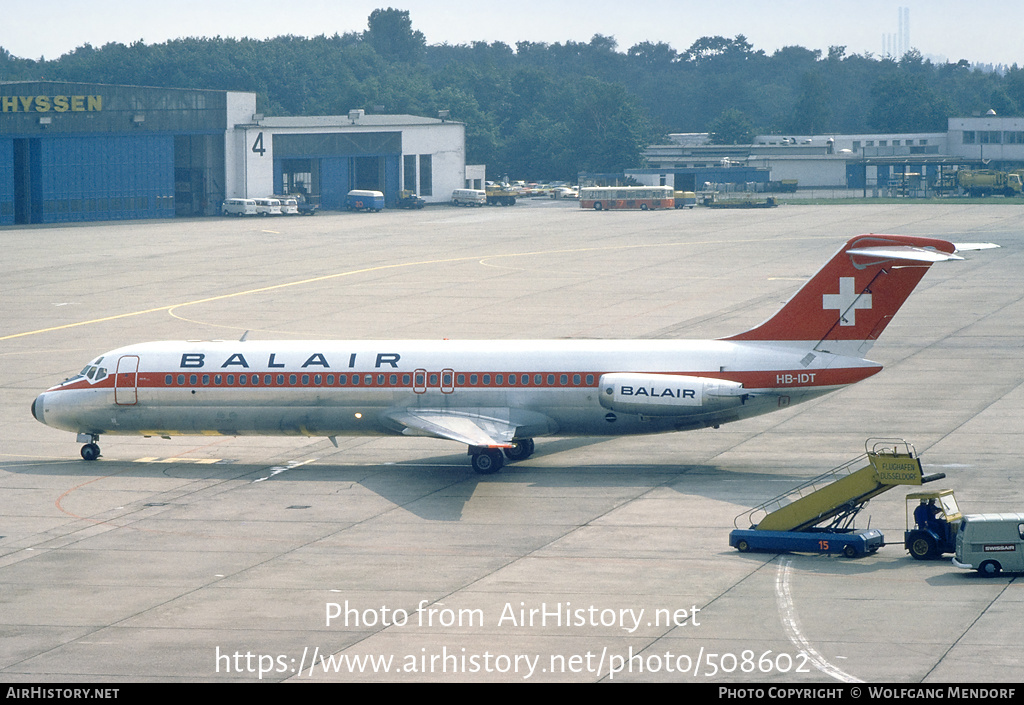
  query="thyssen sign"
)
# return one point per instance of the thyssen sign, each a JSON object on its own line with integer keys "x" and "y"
{"x": 48, "y": 103}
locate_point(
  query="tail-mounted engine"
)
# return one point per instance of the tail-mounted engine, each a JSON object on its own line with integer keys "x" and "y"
{"x": 667, "y": 395}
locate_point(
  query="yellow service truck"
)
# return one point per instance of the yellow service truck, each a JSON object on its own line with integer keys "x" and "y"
{"x": 988, "y": 182}
{"x": 501, "y": 195}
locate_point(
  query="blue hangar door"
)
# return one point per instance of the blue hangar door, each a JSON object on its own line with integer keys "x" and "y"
{"x": 59, "y": 179}
{"x": 326, "y": 166}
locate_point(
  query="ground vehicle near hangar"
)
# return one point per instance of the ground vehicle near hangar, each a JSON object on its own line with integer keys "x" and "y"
{"x": 362, "y": 200}
{"x": 642, "y": 198}
{"x": 268, "y": 206}
{"x": 289, "y": 205}
{"x": 469, "y": 197}
{"x": 988, "y": 182}
{"x": 410, "y": 200}
{"x": 501, "y": 195}
{"x": 306, "y": 204}
{"x": 685, "y": 199}
{"x": 238, "y": 207}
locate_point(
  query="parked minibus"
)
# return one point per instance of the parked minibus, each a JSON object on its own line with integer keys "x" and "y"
{"x": 238, "y": 207}
{"x": 990, "y": 543}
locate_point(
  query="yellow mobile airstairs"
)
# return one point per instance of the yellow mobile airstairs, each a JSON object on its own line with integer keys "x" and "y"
{"x": 792, "y": 521}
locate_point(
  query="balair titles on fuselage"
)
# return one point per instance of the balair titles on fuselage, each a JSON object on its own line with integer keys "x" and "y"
{"x": 198, "y": 360}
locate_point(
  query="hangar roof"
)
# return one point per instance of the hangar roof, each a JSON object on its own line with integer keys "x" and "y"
{"x": 362, "y": 120}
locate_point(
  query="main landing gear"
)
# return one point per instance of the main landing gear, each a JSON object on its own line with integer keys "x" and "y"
{"x": 488, "y": 461}
{"x": 91, "y": 450}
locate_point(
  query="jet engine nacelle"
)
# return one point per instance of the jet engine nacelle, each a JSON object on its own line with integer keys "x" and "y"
{"x": 667, "y": 395}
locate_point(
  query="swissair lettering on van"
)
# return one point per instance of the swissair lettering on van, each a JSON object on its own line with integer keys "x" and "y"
{"x": 990, "y": 543}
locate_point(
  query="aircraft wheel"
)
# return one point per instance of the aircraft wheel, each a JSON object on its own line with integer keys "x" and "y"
{"x": 922, "y": 547}
{"x": 522, "y": 450}
{"x": 488, "y": 462}
{"x": 990, "y": 568}
{"x": 90, "y": 451}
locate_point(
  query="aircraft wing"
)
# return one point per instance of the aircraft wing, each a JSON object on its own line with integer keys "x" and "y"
{"x": 490, "y": 427}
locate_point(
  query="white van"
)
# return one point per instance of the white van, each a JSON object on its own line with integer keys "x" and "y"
{"x": 469, "y": 197}
{"x": 238, "y": 206}
{"x": 268, "y": 206}
{"x": 289, "y": 205}
{"x": 989, "y": 543}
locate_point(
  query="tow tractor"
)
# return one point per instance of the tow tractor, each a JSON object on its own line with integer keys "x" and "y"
{"x": 936, "y": 519}
{"x": 410, "y": 200}
{"x": 817, "y": 516}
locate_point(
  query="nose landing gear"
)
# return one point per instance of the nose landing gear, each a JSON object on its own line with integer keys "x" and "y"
{"x": 91, "y": 450}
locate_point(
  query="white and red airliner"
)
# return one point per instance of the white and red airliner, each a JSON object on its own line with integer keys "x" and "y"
{"x": 497, "y": 396}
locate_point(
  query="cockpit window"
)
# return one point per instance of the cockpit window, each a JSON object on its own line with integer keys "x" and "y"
{"x": 93, "y": 372}
{"x": 97, "y": 373}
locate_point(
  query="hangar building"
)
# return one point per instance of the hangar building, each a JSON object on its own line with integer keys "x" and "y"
{"x": 864, "y": 161}
{"x": 79, "y": 152}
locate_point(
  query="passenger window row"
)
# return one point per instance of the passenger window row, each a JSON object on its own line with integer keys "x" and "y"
{"x": 379, "y": 379}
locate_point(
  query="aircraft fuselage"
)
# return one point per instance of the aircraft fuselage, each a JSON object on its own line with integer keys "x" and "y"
{"x": 334, "y": 388}
{"x": 496, "y": 396}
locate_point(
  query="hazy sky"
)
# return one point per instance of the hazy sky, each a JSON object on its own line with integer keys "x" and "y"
{"x": 987, "y": 31}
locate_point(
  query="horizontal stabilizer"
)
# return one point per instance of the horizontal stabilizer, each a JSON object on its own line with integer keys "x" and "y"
{"x": 914, "y": 254}
{"x": 966, "y": 246}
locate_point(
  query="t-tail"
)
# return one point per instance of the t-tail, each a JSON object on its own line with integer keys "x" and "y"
{"x": 849, "y": 302}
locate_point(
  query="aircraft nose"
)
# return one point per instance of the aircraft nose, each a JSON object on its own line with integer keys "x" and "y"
{"x": 37, "y": 408}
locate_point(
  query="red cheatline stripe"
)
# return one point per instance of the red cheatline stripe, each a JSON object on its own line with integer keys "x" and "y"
{"x": 751, "y": 379}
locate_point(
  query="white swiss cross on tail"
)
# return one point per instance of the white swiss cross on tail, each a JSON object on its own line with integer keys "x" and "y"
{"x": 847, "y": 301}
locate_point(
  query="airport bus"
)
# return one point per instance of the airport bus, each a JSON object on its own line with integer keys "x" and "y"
{"x": 626, "y": 197}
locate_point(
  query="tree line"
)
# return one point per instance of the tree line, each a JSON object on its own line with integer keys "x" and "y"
{"x": 548, "y": 111}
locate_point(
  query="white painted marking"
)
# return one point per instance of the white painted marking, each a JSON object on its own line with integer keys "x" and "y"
{"x": 787, "y": 612}
{"x": 277, "y": 469}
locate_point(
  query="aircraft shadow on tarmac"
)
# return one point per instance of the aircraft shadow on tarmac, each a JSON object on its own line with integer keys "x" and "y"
{"x": 447, "y": 480}
{"x": 437, "y": 488}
